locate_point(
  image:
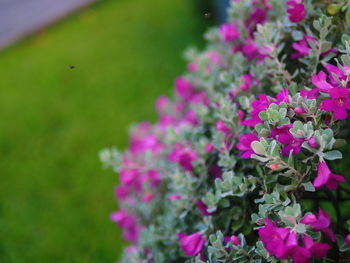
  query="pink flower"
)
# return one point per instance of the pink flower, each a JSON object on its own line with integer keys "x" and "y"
{"x": 152, "y": 177}
{"x": 183, "y": 155}
{"x": 302, "y": 47}
{"x": 246, "y": 83}
{"x": 310, "y": 94}
{"x": 320, "y": 81}
{"x": 142, "y": 140}
{"x": 250, "y": 49}
{"x": 184, "y": 88}
{"x": 191, "y": 244}
{"x": 122, "y": 192}
{"x": 283, "y": 96}
{"x": 128, "y": 223}
{"x": 203, "y": 208}
{"x": 277, "y": 240}
{"x": 339, "y": 103}
{"x": 320, "y": 223}
{"x": 234, "y": 240}
{"x": 347, "y": 239}
{"x": 318, "y": 250}
{"x": 123, "y": 218}
{"x": 161, "y": 104}
{"x": 175, "y": 197}
{"x": 259, "y": 105}
{"x": 326, "y": 177}
{"x": 192, "y": 67}
{"x": 221, "y": 126}
{"x": 229, "y": 32}
{"x": 147, "y": 197}
{"x": 283, "y": 244}
{"x": 296, "y": 10}
{"x": 335, "y": 70}
{"x": 209, "y": 148}
{"x": 283, "y": 136}
{"x": 215, "y": 58}
{"x": 244, "y": 144}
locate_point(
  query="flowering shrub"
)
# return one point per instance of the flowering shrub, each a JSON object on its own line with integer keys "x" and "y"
{"x": 239, "y": 166}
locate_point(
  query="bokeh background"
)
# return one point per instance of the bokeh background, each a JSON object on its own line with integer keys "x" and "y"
{"x": 67, "y": 92}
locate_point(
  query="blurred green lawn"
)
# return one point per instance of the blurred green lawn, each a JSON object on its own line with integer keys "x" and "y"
{"x": 55, "y": 198}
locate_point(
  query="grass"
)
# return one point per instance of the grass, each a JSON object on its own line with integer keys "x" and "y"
{"x": 55, "y": 198}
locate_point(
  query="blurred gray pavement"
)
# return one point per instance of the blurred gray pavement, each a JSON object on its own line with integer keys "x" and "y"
{"x": 19, "y": 18}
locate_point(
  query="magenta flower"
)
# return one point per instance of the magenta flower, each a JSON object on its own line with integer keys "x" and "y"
{"x": 318, "y": 250}
{"x": 283, "y": 96}
{"x": 215, "y": 171}
{"x": 152, "y": 177}
{"x": 123, "y": 218}
{"x": 191, "y": 244}
{"x": 215, "y": 58}
{"x": 320, "y": 81}
{"x": 234, "y": 240}
{"x": 338, "y": 104}
{"x": 347, "y": 239}
{"x": 122, "y": 192}
{"x": 162, "y": 104}
{"x": 326, "y": 177}
{"x": 128, "y": 223}
{"x": 244, "y": 144}
{"x": 302, "y": 47}
{"x": 129, "y": 176}
{"x": 229, "y": 32}
{"x": 174, "y": 197}
{"x": 246, "y": 83}
{"x": 184, "y": 88}
{"x": 203, "y": 208}
{"x": 183, "y": 155}
{"x": 259, "y": 105}
{"x": 335, "y": 70}
{"x": 283, "y": 244}
{"x": 296, "y": 10}
{"x": 192, "y": 67}
{"x": 321, "y": 222}
{"x": 284, "y": 136}
{"x": 310, "y": 94}
{"x": 221, "y": 127}
{"x": 209, "y": 148}
{"x": 278, "y": 241}
{"x": 299, "y": 111}
{"x": 250, "y": 49}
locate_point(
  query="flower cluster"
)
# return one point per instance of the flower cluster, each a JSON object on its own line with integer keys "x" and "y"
{"x": 243, "y": 164}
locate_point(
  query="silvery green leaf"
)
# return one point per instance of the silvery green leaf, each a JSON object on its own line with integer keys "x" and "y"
{"x": 258, "y": 148}
{"x": 308, "y": 186}
{"x": 333, "y": 155}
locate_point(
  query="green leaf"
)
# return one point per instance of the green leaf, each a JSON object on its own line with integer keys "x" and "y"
{"x": 309, "y": 187}
{"x": 333, "y": 155}
{"x": 333, "y": 9}
{"x": 347, "y": 15}
{"x": 258, "y": 148}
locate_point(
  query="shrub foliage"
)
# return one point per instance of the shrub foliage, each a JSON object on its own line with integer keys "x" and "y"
{"x": 239, "y": 166}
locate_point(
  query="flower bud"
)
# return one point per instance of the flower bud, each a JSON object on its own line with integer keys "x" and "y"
{"x": 299, "y": 110}
{"x": 274, "y": 167}
{"x": 312, "y": 142}
{"x": 209, "y": 148}
{"x": 234, "y": 240}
